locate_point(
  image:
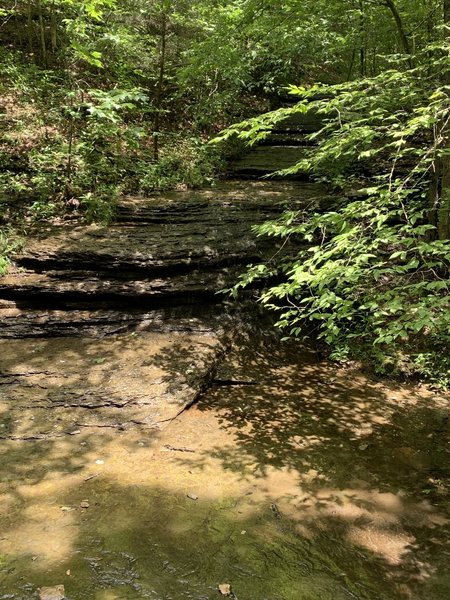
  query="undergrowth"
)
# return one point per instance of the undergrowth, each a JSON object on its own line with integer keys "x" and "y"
{"x": 369, "y": 274}
{"x": 10, "y": 242}
{"x": 64, "y": 149}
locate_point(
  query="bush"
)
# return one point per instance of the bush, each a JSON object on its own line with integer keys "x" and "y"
{"x": 371, "y": 277}
{"x": 183, "y": 162}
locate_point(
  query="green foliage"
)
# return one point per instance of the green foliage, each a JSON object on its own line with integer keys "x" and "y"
{"x": 107, "y": 97}
{"x": 10, "y": 242}
{"x": 100, "y": 206}
{"x": 95, "y": 84}
{"x": 368, "y": 272}
{"x": 80, "y": 109}
{"x": 184, "y": 162}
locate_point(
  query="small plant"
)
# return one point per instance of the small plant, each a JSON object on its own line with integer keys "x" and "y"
{"x": 100, "y": 206}
{"x": 10, "y": 242}
{"x": 42, "y": 210}
{"x": 182, "y": 162}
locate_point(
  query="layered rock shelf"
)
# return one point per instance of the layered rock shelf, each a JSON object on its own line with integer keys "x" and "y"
{"x": 285, "y": 146}
{"x": 166, "y": 254}
{"x": 163, "y": 261}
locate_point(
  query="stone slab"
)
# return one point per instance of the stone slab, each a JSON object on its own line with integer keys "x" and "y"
{"x": 61, "y": 386}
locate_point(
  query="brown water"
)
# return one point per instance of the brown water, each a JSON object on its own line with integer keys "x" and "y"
{"x": 302, "y": 482}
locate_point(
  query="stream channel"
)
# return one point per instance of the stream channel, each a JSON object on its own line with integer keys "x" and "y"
{"x": 158, "y": 443}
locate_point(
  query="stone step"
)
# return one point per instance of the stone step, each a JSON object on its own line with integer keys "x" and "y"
{"x": 266, "y": 160}
{"x": 20, "y": 322}
{"x": 224, "y": 212}
{"x": 173, "y": 234}
{"x": 166, "y": 255}
{"x": 287, "y": 139}
{"x": 68, "y": 290}
{"x": 122, "y": 382}
{"x": 230, "y": 198}
{"x": 299, "y": 123}
{"x": 139, "y": 250}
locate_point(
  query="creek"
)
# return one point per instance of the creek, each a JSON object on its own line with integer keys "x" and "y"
{"x": 288, "y": 478}
{"x": 157, "y": 442}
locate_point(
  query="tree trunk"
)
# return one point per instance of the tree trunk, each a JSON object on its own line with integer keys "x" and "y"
{"x": 350, "y": 68}
{"x": 53, "y": 28}
{"x": 42, "y": 35}
{"x": 362, "y": 34}
{"x": 401, "y": 30}
{"x": 30, "y": 27}
{"x": 443, "y": 216}
{"x": 439, "y": 190}
{"x": 160, "y": 84}
{"x": 443, "y": 213}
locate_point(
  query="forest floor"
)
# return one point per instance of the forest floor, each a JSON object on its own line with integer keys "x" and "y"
{"x": 288, "y": 478}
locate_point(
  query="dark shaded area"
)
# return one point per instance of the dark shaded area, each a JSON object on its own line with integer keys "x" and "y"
{"x": 282, "y": 148}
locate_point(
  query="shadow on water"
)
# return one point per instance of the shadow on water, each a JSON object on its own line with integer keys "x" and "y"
{"x": 371, "y": 460}
{"x": 316, "y": 483}
{"x": 143, "y": 542}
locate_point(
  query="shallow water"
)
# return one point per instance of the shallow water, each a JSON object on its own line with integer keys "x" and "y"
{"x": 302, "y": 482}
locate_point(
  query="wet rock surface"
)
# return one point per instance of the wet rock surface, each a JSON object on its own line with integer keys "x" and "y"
{"x": 57, "y": 388}
{"x": 162, "y": 253}
{"x": 261, "y": 161}
{"x": 173, "y": 251}
{"x": 52, "y": 593}
{"x": 289, "y": 488}
{"x": 288, "y": 478}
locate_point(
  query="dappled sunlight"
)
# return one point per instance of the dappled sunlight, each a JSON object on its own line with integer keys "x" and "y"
{"x": 302, "y": 477}
{"x": 106, "y": 383}
{"x": 392, "y": 546}
{"x": 45, "y": 533}
{"x": 201, "y": 203}
{"x": 325, "y": 429}
{"x": 213, "y": 227}
{"x": 369, "y": 519}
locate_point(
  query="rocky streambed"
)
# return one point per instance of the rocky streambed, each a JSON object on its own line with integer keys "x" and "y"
{"x": 158, "y": 443}
{"x": 162, "y": 255}
{"x": 166, "y": 466}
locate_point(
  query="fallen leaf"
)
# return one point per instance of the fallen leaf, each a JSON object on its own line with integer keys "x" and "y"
{"x": 52, "y": 593}
{"x": 225, "y": 589}
{"x": 100, "y": 360}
